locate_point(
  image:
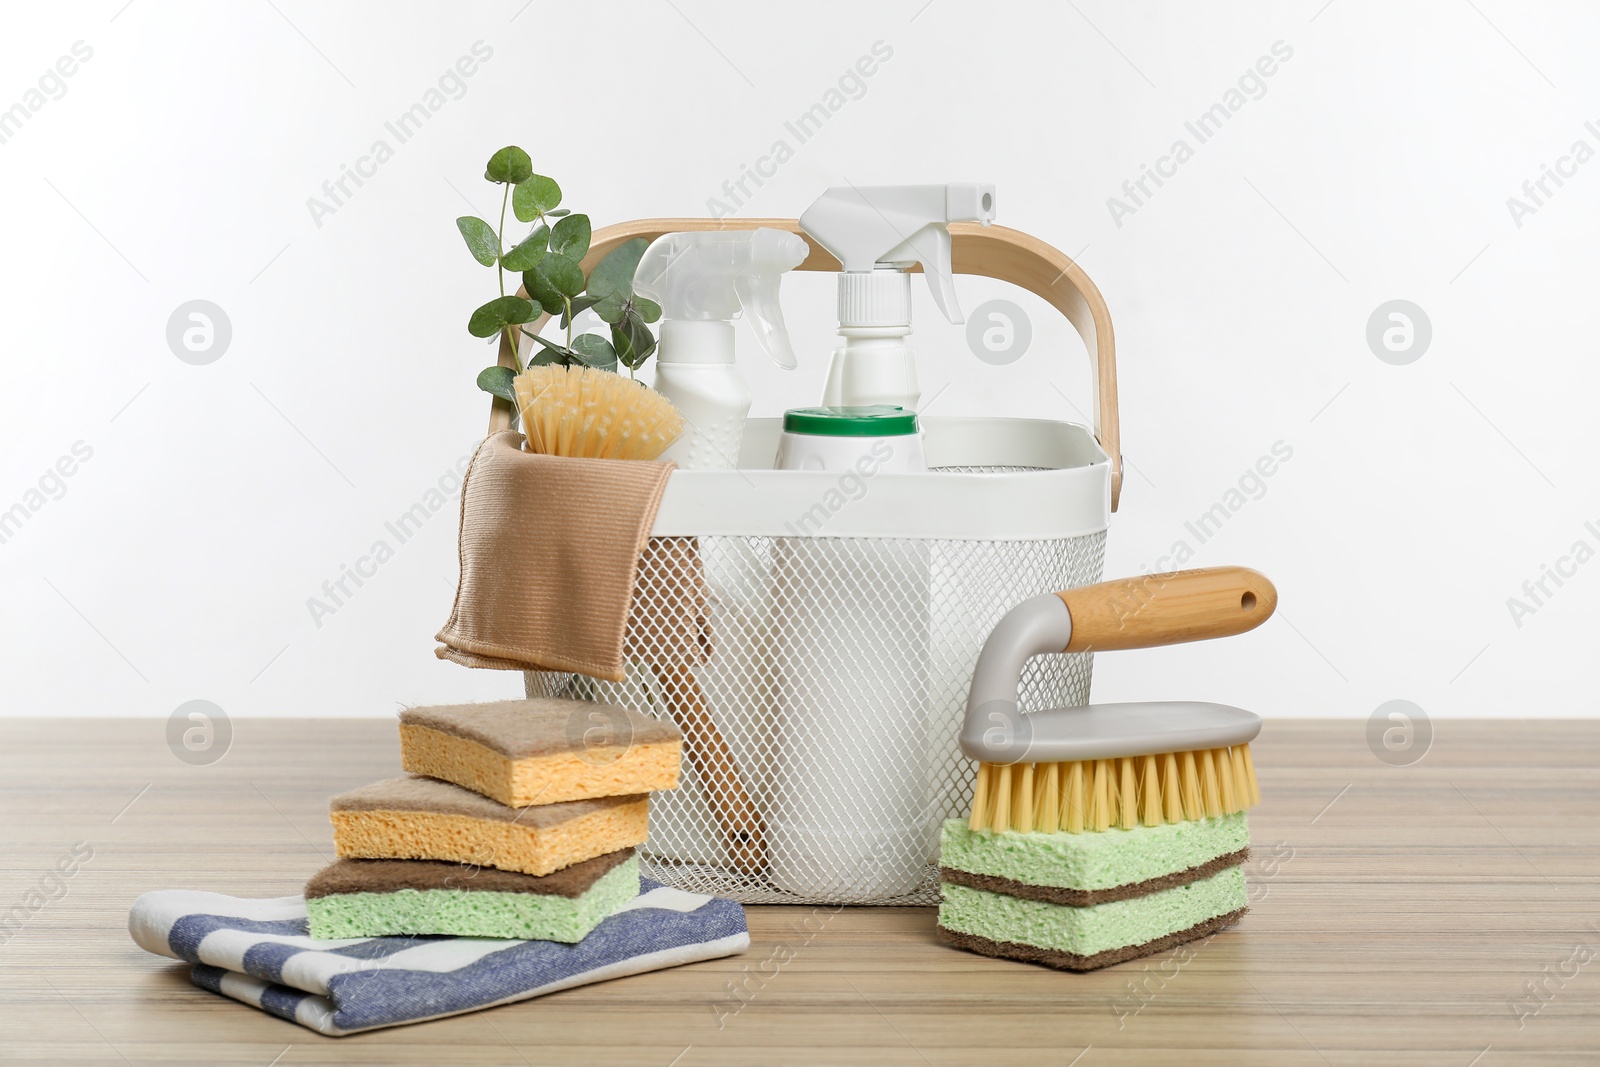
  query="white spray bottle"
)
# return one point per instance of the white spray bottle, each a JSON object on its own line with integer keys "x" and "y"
{"x": 876, "y": 233}
{"x": 702, "y": 281}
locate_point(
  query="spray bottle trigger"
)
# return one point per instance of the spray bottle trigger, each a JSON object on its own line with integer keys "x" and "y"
{"x": 758, "y": 295}
{"x": 772, "y": 253}
{"x": 930, "y": 246}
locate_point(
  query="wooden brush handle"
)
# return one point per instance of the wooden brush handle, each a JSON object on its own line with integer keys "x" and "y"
{"x": 989, "y": 251}
{"x": 744, "y": 835}
{"x": 1168, "y": 609}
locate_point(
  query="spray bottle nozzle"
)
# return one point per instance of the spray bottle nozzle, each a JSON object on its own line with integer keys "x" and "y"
{"x": 894, "y": 226}
{"x": 710, "y": 276}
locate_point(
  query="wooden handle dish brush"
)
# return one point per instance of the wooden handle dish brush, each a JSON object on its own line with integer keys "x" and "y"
{"x": 1104, "y": 765}
{"x": 595, "y": 414}
{"x": 744, "y": 834}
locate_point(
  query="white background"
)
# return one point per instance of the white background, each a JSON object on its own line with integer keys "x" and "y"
{"x": 1376, "y": 165}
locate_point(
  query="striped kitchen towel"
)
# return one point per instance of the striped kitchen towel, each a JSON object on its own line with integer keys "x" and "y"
{"x": 257, "y": 951}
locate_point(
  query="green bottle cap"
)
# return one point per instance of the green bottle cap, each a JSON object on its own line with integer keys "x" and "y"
{"x": 873, "y": 420}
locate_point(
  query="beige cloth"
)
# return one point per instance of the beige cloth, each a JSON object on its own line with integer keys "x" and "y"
{"x": 558, "y": 570}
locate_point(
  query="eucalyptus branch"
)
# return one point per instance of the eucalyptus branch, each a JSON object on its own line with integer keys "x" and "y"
{"x": 500, "y": 241}
{"x": 549, "y": 258}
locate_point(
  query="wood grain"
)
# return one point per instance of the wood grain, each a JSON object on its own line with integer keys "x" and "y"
{"x": 1398, "y": 914}
{"x": 1168, "y": 609}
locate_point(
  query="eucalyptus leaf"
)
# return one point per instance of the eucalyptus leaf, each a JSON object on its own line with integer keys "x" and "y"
{"x": 554, "y": 354}
{"x": 580, "y": 304}
{"x": 546, "y": 342}
{"x": 499, "y": 313}
{"x": 529, "y": 251}
{"x": 633, "y": 341}
{"x": 610, "y": 308}
{"x": 535, "y": 195}
{"x": 648, "y": 310}
{"x": 596, "y": 351}
{"x": 481, "y": 239}
{"x": 614, "y": 273}
{"x": 566, "y": 273}
{"x": 552, "y": 280}
{"x": 539, "y": 287}
{"x": 570, "y": 236}
{"x": 497, "y": 380}
{"x": 510, "y": 165}
{"x": 558, "y": 212}
{"x": 612, "y": 280}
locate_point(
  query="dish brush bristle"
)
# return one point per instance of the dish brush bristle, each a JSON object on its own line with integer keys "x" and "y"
{"x": 1127, "y": 791}
{"x": 593, "y": 414}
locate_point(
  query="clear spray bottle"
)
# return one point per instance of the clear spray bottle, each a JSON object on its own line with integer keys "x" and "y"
{"x": 703, "y": 280}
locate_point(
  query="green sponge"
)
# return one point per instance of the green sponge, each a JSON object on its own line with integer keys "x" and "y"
{"x": 380, "y": 898}
{"x": 1083, "y": 938}
{"x": 1090, "y": 868}
{"x": 1087, "y": 900}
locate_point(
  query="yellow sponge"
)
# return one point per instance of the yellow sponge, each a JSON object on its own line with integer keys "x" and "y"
{"x": 425, "y": 819}
{"x": 541, "y": 751}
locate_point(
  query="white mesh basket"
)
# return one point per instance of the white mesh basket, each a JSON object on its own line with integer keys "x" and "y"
{"x": 841, "y": 657}
{"x": 845, "y": 618}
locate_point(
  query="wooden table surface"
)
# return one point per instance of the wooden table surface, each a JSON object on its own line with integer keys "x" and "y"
{"x": 1446, "y": 912}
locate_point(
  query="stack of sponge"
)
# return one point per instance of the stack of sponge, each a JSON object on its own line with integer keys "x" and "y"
{"x": 519, "y": 820}
{"x": 1081, "y": 901}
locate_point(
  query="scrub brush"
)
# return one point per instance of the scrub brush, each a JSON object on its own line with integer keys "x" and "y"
{"x": 1092, "y": 768}
{"x": 593, "y": 414}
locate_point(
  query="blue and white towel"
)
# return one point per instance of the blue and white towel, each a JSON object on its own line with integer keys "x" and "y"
{"x": 257, "y": 951}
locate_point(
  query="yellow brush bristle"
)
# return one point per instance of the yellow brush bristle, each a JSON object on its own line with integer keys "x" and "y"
{"x": 1047, "y": 802}
{"x": 1189, "y": 786}
{"x": 1100, "y": 797}
{"x": 980, "y": 798}
{"x": 1150, "y": 788}
{"x": 1224, "y": 764}
{"x": 593, "y": 414}
{"x": 1127, "y": 797}
{"x": 1096, "y": 795}
{"x": 1002, "y": 798}
{"x": 1210, "y": 796}
{"x": 1250, "y": 776}
{"x": 1022, "y": 799}
{"x": 1075, "y": 799}
{"x": 1171, "y": 794}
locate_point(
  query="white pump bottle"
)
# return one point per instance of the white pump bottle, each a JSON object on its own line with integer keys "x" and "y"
{"x": 702, "y": 280}
{"x": 876, "y": 232}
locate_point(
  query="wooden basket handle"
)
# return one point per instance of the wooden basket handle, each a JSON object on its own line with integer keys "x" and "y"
{"x": 988, "y": 251}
